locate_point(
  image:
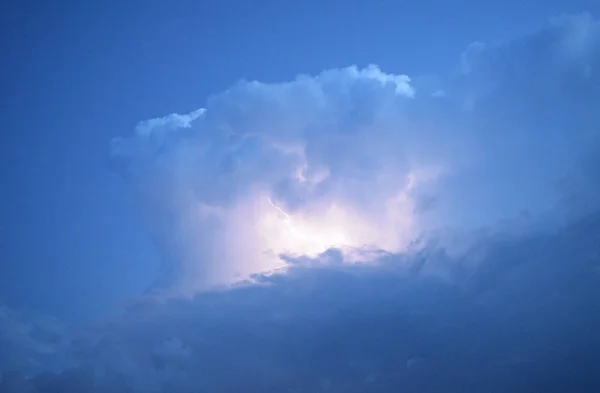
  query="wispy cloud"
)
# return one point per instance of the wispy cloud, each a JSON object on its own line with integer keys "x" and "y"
{"x": 28, "y": 340}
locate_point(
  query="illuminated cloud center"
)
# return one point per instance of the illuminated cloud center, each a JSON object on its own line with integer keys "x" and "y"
{"x": 388, "y": 227}
{"x": 285, "y": 234}
{"x": 257, "y": 233}
{"x": 288, "y": 169}
{"x": 260, "y": 230}
{"x": 336, "y": 227}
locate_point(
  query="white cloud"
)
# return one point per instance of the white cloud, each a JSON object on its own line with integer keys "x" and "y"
{"x": 297, "y": 167}
{"x": 360, "y": 156}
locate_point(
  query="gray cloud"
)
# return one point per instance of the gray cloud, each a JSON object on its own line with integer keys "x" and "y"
{"x": 30, "y": 342}
{"x": 439, "y": 306}
{"x": 524, "y": 318}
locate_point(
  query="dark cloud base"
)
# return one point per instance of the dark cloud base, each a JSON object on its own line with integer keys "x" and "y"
{"x": 526, "y": 320}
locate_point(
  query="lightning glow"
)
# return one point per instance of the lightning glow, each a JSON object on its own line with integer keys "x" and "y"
{"x": 276, "y": 231}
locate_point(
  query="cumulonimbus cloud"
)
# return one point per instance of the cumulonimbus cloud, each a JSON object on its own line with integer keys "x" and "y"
{"x": 362, "y": 158}
{"x": 298, "y": 167}
{"x": 366, "y": 162}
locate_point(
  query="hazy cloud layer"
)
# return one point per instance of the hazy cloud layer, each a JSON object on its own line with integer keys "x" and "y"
{"x": 367, "y": 163}
{"x": 29, "y": 340}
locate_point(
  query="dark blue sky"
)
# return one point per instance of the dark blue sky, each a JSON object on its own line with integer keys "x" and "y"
{"x": 76, "y": 74}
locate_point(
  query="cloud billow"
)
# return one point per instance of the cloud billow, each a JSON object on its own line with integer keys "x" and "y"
{"x": 362, "y": 158}
{"x": 264, "y": 167}
{"x": 370, "y": 194}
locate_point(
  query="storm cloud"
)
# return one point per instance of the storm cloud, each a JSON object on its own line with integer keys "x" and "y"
{"x": 358, "y": 231}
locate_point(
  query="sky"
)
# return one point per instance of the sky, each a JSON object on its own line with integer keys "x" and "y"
{"x": 332, "y": 195}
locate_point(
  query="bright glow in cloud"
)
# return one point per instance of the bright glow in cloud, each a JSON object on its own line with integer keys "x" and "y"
{"x": 357, "y": 158}
{"x": 257, "y": 231}
{"x": 316, "y": 230}
{"x": 296, "y": 235}
{"x": 293, "y": 168}
{"x": 362, "y": 159}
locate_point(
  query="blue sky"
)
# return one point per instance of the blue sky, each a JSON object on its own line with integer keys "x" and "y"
{"x": 77, "y": 239}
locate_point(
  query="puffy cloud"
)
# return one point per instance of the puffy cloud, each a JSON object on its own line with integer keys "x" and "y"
{"x": 363, "y": 159}
{"x": 296, "y": 167}
{"x": 359, "y": 165}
